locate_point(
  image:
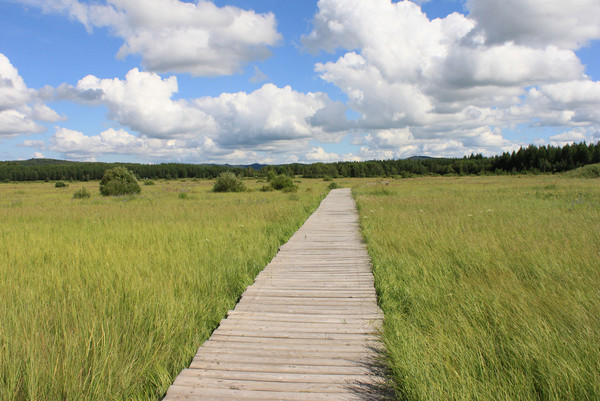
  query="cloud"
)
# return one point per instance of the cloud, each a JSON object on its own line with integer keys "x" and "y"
{"x": 318, "y": 154}
{"x": 20, "y": 107}
{"x": 176, "y": 36}
{"x": 258, "y": 76}
{"x": 537, "y": 23}
{"x": 269, "y": 115}
{"x": 13, "y": 91}
{"x": 401, "y": 143}
{"x": 75, "y": 145}
{"x": 451, "y": 81}
{"x": 269, "y": 118}
{"x": 143, "y": 101}
{"x": 574, "y": 136}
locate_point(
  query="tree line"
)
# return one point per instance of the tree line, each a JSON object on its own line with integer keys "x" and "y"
{"x": 532, "y": 159}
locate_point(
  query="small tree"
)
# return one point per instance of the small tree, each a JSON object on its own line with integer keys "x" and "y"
{"x": 282, "y": 182}
{"x": 119, "y": 181}
{"x": 82, "y": 194}
{"x": 228, "y": 182}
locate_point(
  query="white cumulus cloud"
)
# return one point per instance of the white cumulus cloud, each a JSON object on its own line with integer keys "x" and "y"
{"x": 269, "y": 118}
{"x": 539, "y": 23}
{"x": 198, "y": 38}
{"x": 21, "y": 109}
{"x": 456, "y": 81}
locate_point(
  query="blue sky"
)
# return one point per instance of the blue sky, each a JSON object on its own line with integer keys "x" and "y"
{"x": 278, "y": 81}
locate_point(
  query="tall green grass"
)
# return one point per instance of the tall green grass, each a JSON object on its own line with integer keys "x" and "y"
{"x": 108, "y": 298}
{"x": 490, "y": 285}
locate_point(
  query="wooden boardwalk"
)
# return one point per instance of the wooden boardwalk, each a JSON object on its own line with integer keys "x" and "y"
{"x": 305, "y": 330}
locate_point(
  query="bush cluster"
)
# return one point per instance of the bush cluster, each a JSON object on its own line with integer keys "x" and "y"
{"x": 82, "y": 194}
{"x": 282, "y": 182}
{"x": 228, "y": 182}
{"x": 60, "y": 184}
{"x": 119, "y": 181}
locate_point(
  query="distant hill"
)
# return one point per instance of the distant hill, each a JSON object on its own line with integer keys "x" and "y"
{"x": 46, "y": 162}
{"x": 532, "y": 159}
{"x": 255, "y": 166}
{"x": 40, "y": 162}
{"x": 589, "y": 171}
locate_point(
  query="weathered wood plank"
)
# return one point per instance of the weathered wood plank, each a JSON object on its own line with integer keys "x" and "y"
{"x": 272, "y": 376}
{"x": 253, "y": 358}
{"x": 181, "y": 393}
{"x": 305, "y": 329}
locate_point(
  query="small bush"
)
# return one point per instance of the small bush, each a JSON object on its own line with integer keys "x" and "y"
{"x": 119, "y": 181}
{"x": 148, "y": 182}
{"x": 290, "y": 189}
{"x": 266, "y": 188}
{"x": 82, "y": 194}
{"x": 183, "y": 195}
{"x": 589, "y": 171}
{"x": 333, "y": 185}
{"x": 327, "y": 178}
{"x": 60, "y": 184}
{"x": 228, "y": 182}
{"x": 282, "y": 181}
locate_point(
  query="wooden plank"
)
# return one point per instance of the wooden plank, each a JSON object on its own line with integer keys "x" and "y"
{"x": 272, "y": 376}
{"x": 262, "y": 385}
{"x": 315, "y": 309}
{"x": 296, "y": 335}
{"x": 238, "y": 324}
{"x": 181, "y": 393}
{"x": 284, "y": 367}
{"x": 334, "y": 356}
{"x": 287, "y": 345}
{"x": 278, "y": 359}
{"x": 291, "y": 341}
{"x": 309, "y": 292}
{"x": 305, "y": 329}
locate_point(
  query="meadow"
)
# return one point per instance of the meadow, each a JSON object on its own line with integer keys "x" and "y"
{"x": 108, "y": 298}
{"x": 490, "y": 286}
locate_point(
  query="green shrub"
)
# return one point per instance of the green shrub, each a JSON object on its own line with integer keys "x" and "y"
{"x": 228, "y": 182}
{"x": 266, "y": 188}
{"x": 119, "y": 181}
{"x": 327, "y": 178}
{"x": 589, "y": 171}
{"x": 82, "y": 194}
{"x": 333, "y": 185}
{"x": 60, "y": 184}
{"x": 183, "y": 195}
{"x": 290, "y": 189}
{"x": 281, "y": 181}
{"x": 148, "y": 182}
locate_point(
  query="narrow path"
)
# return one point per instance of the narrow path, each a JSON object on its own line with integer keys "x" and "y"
{"x": 305, "y": 330}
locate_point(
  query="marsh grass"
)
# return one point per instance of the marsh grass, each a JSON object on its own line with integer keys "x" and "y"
{"x": 489, "y": 285}
{"x": 109, "y": 298}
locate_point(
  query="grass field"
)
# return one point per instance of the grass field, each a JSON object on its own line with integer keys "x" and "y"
{"x": 490, "y": 285}
{"x": 109, "y": 298}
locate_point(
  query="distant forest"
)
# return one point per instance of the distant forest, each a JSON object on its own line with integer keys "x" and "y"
{"x": 530, "y": 160}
